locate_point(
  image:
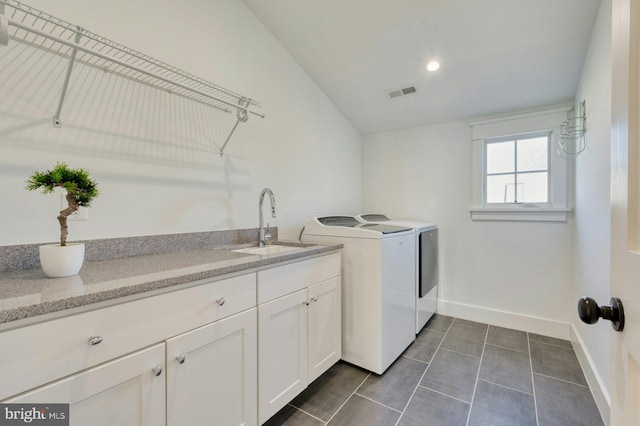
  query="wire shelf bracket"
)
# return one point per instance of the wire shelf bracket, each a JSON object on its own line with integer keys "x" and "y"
{"x": 67, "y": 77}
{"x": 23, "y": 24}
{"x": 241, "y": 117}
{"x": 573, "y": 132}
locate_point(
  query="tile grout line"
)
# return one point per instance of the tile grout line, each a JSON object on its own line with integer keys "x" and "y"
{"x": 533, "y": 382}
{"x": 424, "y": 373}
{"x": 414, "y": 359}
{"x": 506, "y": 387}
{"x": 511, "y": 349}
{"x": 348, "y": 398}
{"x": 562, "y": 380}
{"x": 462, "y": 353}
{"x": 474, "y": 324}
{"x": 308, "y": 414}
{"x": 444, "y": 394}
{"x": 548, "y": 343}
{"x": 377, "y": 402}
{"x": 475, "y": 387}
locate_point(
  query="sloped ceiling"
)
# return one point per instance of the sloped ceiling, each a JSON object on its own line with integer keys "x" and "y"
{"x": 496, "y": 56}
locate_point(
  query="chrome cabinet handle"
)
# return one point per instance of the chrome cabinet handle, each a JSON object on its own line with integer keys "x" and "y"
{"x": 220, "y": 301}
{"x": 94, "y": 340}
{"x": 315, "y": 299}
{"x": 157, "y": 370}
{"x": 306, "y": 302}
{"x": 181, "y": 358}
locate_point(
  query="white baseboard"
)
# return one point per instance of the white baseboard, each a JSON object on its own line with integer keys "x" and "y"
{"x": 543, "y": 326}
{"x": 531, "y": 324}
{"x": 598, "y": 390}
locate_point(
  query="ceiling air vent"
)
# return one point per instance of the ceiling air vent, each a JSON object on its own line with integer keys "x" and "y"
{"x": 396, "y": 93}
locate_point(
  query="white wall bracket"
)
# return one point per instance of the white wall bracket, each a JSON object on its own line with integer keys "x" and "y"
{"x": 241, "y": 117}
{"x": 67, "y": 77}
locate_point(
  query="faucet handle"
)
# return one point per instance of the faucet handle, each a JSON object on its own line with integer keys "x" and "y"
{"x": 267, "y": 234}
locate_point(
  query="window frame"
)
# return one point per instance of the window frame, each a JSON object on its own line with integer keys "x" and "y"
{"x": 538, "y": 122}
{"x": 515, "y": 138}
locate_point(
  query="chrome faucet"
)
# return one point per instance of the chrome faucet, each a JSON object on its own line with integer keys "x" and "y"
{"x": 264, "y": 236}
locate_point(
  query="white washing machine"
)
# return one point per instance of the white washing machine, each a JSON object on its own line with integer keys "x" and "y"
{"x": 426, "y": 274}
{"x": 378, "y": 287}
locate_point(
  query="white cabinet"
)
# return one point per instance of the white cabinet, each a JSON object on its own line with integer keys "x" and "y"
{"x": 212, "y": 374}
{"x": 44, "y": 352}
{"x": 282, "y": 327}
{"x": 324, "y": 327}
{"x": 128, "y": 391}
{"x": 213, "y": 324}
{"x": 299, "y": 328}
{"x": 227, "y": 352}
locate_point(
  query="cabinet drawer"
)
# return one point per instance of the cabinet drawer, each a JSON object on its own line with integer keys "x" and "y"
{"x": 37, "y": 354}
{"x": 281, "y": 280}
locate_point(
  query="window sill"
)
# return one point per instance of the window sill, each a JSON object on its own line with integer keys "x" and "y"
{"x": 531, "y": 214}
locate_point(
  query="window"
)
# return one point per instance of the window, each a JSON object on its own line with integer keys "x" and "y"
{"x": 516, "y": 174}
{"x": 517, "y": 170}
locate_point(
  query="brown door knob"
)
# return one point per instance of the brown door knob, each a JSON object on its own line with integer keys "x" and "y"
{"x": 589, "y": 312}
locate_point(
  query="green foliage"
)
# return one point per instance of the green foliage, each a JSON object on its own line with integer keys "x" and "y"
{"x": 76, "y": 182}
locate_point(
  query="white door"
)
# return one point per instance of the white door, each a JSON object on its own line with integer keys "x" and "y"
{"x": 212, "y": 374}
{"x": 625, "y": 211}
{"x": 129, "y": 391}
{"x": 325, "y": 329}
{"x": 282, "y": 345}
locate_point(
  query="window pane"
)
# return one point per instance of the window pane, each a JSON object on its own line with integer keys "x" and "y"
{"x": 532, "y": 154}
{"x": 500, "y": 157}
{"x": 501, "y": 189}
{"x": 533, "y": 187}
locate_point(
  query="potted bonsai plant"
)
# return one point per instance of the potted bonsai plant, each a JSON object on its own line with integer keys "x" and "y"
{"x": 64, "y": 259}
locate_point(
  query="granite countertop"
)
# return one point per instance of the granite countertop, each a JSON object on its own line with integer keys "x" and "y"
{"x": 29, "y": 293}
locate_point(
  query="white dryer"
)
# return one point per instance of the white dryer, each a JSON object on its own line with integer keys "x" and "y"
{"x": 378, "y": 287}
{"x": 426, "y": 273}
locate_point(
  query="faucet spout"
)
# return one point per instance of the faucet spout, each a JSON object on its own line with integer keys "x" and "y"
{"x": 264, "y": 236}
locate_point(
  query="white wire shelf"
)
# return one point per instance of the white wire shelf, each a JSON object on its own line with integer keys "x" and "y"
{"x": 28, "y": 26}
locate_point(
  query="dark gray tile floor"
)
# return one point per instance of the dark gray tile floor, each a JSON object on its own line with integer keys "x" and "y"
{"x": 457, "y": 372}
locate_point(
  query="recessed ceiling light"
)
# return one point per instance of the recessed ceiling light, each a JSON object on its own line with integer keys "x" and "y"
{"x": 433, "y": 66}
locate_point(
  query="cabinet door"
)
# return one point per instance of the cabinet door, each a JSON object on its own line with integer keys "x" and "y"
{"x": 212, "y": 374}
{"x": 128, "y": 391}
{"x": 282, "y": 345}
{"x": 324, "y": 331}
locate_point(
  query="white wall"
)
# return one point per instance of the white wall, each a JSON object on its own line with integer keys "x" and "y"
{"x": 592, "y": 237}
{"x": 501, "y": 272}
{"x": 304, "y": 149}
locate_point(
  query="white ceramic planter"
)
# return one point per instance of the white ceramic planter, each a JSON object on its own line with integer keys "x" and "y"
{"x": 57, "y": 261}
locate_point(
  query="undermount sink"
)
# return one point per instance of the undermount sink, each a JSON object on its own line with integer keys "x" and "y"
{"x": 271, "y": 249}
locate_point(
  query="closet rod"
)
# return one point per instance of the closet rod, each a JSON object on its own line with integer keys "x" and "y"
{"x": 132, "y": 67}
